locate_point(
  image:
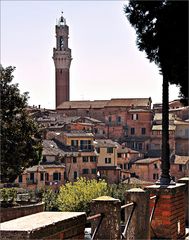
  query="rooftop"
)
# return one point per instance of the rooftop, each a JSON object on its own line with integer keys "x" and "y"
{"x": 159, "y": 127}
{"x": 181, "y": 159}
{"x": 105, "y": 143}
{"x": 117, "y": 102}
{"x": 146, "y": 161}
{"x": 78, "y": 134}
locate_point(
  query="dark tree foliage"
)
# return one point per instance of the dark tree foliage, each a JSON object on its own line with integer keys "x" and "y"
{"x": 162, "y": 32}
{"x": 20, "y": 138}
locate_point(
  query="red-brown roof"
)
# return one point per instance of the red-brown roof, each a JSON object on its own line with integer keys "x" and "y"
{"x": 117, "y": 102}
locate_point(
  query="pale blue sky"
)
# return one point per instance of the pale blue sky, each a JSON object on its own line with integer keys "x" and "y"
{"x": 106, "y": 62}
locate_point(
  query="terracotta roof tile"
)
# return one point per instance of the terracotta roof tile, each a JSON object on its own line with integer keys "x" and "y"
{"x": 128, "y": 102}
{"x": 82, "y": 104}
{"x": 147, "y": 160}
{"x": 119, "y": 102}
{"x": 181, "y": 159}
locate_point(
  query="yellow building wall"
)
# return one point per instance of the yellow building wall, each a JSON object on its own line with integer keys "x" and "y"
{"x": 103, "y": 154}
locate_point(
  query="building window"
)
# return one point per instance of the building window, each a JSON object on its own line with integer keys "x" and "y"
{"x": 110, "y": 119}
{"x": 42, "y": 176}
{"x": 107, "y": 160}
{"x": 119, "y": 155}
{"x": 20, "y": 179}
{"x": 74, "y": 159}
{"x": 75, "y": 175}
{"x": 118, "y": 119}
{"x": 125, "y": 166}
{"x": 180, "y": 167}
{"x": 56, "y": 176}
{"x": 92, "y": 158}
{"x": 32, "y": 176}
{"x": 155, "y": 165}
{"x": 44, "y": 159}
{"x": 109, "y": 150}
{"x": 85, "y": 145}
{"x": 95, "y": 130}
{"x": 155, "y": 176}
{"x": 74, "y": 143}
{"x": 85, "y": 159}
{"x": 98, "y": 150}
{"x": 93, "y": 170}
{"x": 121, "y": 166}
{"x": 134, "y": 116}
{"x": 132, "y": 131}
{"x": 46, "y": 177}
{"x": 85, "y": 171}
{"x": 140, "y": 146}
{"x": 143, "y": 131}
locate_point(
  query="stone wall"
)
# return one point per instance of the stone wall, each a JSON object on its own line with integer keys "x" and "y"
{"x": 20, "y": 211}
{"x": 45, "y": 225}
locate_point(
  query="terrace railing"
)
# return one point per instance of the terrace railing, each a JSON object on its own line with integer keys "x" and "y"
{"x": 123, "y": 235}
{"x": 93, "y": 217}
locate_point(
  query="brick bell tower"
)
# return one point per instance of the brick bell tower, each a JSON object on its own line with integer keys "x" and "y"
{"x": 62, "y": 60}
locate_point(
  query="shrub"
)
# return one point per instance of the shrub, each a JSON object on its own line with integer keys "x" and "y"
{"x": 8, "y": 194}
{"x": 78, "y": 195}
{"x": 118, "y": 191}
{"x": 49, "y": 197}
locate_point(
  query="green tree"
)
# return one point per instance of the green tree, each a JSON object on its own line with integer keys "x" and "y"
{"x": 162, "y": 32}
{"x": 78, "y": 195}
{"x": 118, "y": 190}
{"x": 20, "y": 139}
{"x": 49, "y": 197}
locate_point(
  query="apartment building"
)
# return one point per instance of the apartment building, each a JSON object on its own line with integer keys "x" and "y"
{"x": 107, "y": 166}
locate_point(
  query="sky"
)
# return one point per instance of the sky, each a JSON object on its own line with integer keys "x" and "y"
{"x": 106, "y": 61}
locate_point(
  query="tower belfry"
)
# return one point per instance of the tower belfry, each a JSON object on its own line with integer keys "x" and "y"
{"x": 62, "y": 60}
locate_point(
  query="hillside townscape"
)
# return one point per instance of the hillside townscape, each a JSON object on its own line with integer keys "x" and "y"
{"x": 90, "y": 165}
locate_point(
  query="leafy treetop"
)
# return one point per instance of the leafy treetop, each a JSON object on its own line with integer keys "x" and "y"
{"x": 162, "y": 32}
{"x": 20, "y": 139}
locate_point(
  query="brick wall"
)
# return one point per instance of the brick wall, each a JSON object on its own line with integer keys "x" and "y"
{"x": 48, "y": 225}
{"x": 16, "y": 212}
{"x": 169, "y": 216}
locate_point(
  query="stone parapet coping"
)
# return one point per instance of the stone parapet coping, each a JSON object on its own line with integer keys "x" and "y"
{"x": 43, "y": 224}
{"x": 170, "y": 189}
